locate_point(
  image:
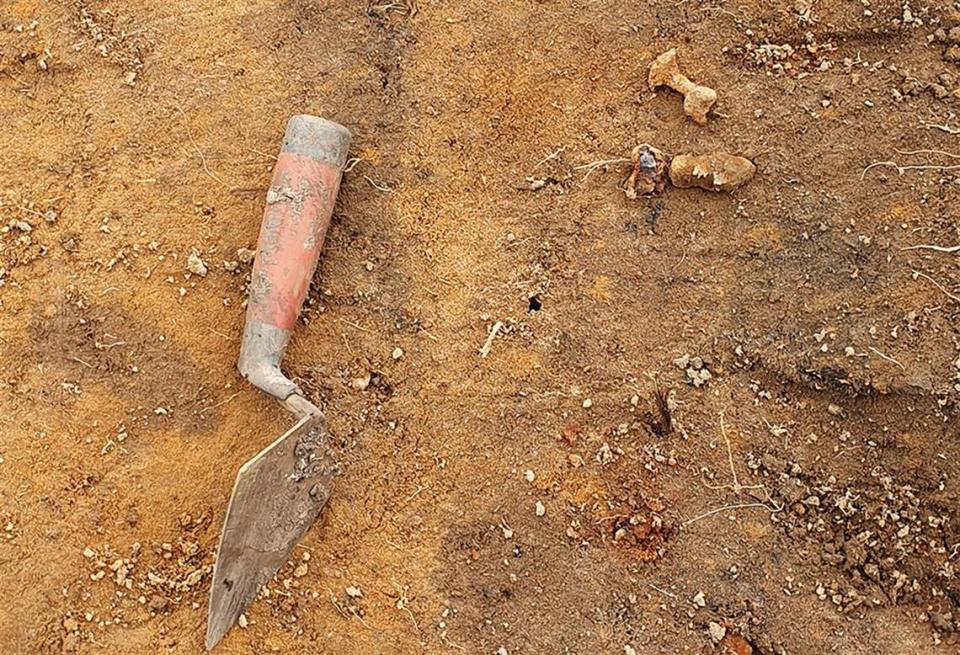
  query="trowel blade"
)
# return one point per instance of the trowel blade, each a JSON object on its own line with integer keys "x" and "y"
{"x": 276, "y": 498}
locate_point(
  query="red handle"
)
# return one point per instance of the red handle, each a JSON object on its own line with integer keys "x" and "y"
{"x": 299, "y": 204}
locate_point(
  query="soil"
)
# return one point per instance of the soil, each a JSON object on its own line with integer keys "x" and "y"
{"x": 794, "y": 487}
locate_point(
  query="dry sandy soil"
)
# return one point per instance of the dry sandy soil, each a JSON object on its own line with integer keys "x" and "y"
{"x": 804, "y": 499}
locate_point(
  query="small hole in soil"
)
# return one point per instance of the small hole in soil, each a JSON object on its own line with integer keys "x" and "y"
{"x": 228, "y": 584}
{"x": 535, "y": 304}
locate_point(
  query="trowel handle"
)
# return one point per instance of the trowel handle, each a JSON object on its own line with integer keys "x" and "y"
{"x": 299, "y": 204}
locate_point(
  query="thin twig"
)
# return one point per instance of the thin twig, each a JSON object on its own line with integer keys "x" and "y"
{"x": 378, "y": 187}
{"x": 942, "y": 128}
{"x": 725, "y": 508}
{"x": 888, "y": 358}
{"x": 733, "y": 470}
{"x": 662, "y": 591}
{"x": 550, "y": 156}
{"x": 485, "y": 349}
{"x": 594, "y": 165}
{"x": 351, "y": 164}
{"x": 937, "y": 284}
{"x": 924, "y": 246}
{"x": 902, "y": 169}
{"x": 929, "y": 152}
{"x": 429, "y": 334}
{"x": 354, "y": 325}
{"x": 263, "y": 154}
{"x": 736, "y": 487}
{"x": 220, "y": 404}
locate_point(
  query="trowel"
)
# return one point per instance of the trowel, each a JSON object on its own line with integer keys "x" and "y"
{"x": 280, "y": 492}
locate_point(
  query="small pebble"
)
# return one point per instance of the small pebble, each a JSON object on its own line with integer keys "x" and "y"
{"x": 196, "y": 265}
{"x": 361, "y": 383}
{"x": 587, "y": 403}
{"x": 717, "y": 631}
{"x": 541, "y": 509}
{"x": 397, "y": 353}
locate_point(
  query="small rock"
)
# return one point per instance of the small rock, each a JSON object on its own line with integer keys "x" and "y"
{"x": 700, "y": 600}
{"x": 587, "y": 403}
{"x": 157, "y": 603}
{"x": 354, "y": 592}
{"x": 834, "y": 410}
{"x": 773, "y": 463}
{"x": 717, "y": 631}
{"x": 629, "y": 650}
{"x": 196, "y": 265}
{"x": 361, "y": 383}
{"x": 698, "y": 377}
{"x": 911, "y": 87}
{"x": 242, "y": 621}
{"x": 301, "y": 570}
{"x": 230, "y": 266}
{"x": 397, "y": 353}
{"x": 245, "y": 255}
{"x": 69, "y": 243}
{"x": 540, "y": 509}
{"x": 529, "y": 476}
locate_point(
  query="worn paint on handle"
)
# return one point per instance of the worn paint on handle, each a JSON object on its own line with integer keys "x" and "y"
{"x": 299, "y": 205}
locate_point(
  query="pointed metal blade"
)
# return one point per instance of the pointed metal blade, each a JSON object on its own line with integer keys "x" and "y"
{"x": 276, "y": 498}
